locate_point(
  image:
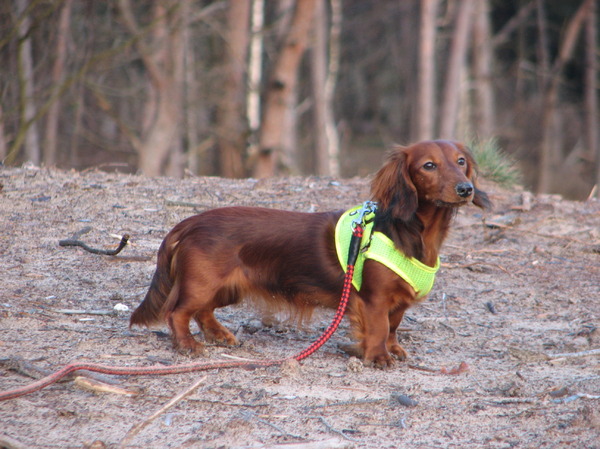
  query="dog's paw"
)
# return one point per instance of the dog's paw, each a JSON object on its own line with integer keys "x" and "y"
{"x": 398, "y": 351}
{"x": 379, "y": 360}
{"x": 189, "y": 347}
{"x": 220, "y": 337}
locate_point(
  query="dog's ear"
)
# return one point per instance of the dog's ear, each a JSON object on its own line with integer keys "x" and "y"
{"x": 393, "y": 188}
{"x": 480, "y": 198}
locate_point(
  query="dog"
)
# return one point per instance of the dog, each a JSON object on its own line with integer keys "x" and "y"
{"x": 221, "y": 256}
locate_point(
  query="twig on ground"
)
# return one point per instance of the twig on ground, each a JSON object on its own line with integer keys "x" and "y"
{"x": 348, "y": 403}
{"x": 187, "y": 204}
{"x": 330, "y": 428}
{"x": 176, "y": 399}
{"x": 506, "y": 401}
{"x": 333, "y": 443}
{"x": 102, "y": 387}
{"x": 283, "y": 432}
{"x": 568, "y": 355}
{"x": 469, "y": 266}
{"x": 7, "y": 442}
{"x": 23, "y": 367}
{"x": 462, "y": 368}
{"x": 104, "y": 252}
{"x": 84, "y": 312}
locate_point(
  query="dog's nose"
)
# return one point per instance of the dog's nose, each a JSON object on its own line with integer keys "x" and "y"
{"x": 464, "y": 189}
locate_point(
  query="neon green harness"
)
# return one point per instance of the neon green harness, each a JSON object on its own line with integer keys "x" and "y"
{"x": 377, "y": 246}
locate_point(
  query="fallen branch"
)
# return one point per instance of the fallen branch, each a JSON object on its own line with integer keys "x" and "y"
{"x": 84, "y": 312}
{"x": 462, "y": 368}
{"x": 104, "y": 252}
{"x": 249, "y": 415}
{"x": 101, "y": 387}
{"x": 7, "y": 442}
{"x": 332, "y": 429}
{"x": 175, "y": 400}
{"x": 333, "y": 443}
{"x": 28, "y": 369}
{"x": 568, "y": 355}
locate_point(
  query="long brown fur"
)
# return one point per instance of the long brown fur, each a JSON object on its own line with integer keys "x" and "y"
{"x": 222, "y": 256}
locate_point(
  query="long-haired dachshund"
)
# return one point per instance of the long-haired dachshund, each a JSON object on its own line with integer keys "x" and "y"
{"x": 222, "y": 256}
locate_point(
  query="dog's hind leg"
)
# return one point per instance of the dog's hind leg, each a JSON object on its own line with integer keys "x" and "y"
{"x": 215, "y": 332}
{"x": 179, "y": 323}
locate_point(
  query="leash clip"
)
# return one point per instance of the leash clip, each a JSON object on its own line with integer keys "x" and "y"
{"x": 367, "y": 208}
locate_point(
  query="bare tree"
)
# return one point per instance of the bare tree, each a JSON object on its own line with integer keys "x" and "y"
{"x": 591, "y": 85}
{"x": 163, "y": 57}
{"x": 3, "y": 141}
{"x": 548, "y": 152}
{"x": 255, "y": 65}
{"x": 325, "y": 54}
{"x": 28, "y": 132}
{"x": 455, "y": 68}
{"x": 231, "y": 126}
{"x": 57, "y": 75}
{"x": 281, "y": 85}
{"x": 426, "y": 72}
{"x": 483, "y": 110}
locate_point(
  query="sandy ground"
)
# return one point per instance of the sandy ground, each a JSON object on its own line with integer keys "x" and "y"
{"x": 518, "y": 303}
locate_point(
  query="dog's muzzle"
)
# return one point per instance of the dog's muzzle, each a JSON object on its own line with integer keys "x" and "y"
{"x": 464, "y": 189}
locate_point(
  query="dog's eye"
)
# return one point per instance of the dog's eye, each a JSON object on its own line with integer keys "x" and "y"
{"x": 462, "y": 161}
{"x": 429, "y": 166}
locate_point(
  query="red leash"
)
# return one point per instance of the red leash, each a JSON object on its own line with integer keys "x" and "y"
{"x": 357, "y": 234}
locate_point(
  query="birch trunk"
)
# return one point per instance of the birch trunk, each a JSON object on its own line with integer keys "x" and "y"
{"x": 58, "y": 70}
{"x": 483, "y": 111}
{"x": 28, "y": 132}
{"x": 163, "y": 58}
{"x": 281, "y": 85}
{"x": 426, "y": 73}
{"x": 455, "y": 68}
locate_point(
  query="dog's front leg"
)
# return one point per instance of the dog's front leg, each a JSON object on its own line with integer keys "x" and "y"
{"x": 375, "y": 332}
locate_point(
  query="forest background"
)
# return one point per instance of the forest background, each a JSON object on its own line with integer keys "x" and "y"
{"x": 260, "y": 88}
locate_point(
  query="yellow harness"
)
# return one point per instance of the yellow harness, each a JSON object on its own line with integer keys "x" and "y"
{"x": 377, "y": 246}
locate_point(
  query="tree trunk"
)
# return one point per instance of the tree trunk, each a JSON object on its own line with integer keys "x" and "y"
{"x": 333, "y": 138}
{"x": 255, "y": 66}
{"x": 281, "y": 85}
{"x": 3, "y": 142}
{"x": 58, "y": 70}
{"x": 426, "y": 73}
{"x": 454, "y": 69}
{"x": 28, "y": 127}
{"x": 163, "y": 59}
{"x": 483, "y": 111}
{"x": 231, "y": 126}
{"x": 324, "y": 70}
{"x": 591, "y": 96}
{"x": 549, "y": 157}
{"x": 321, "y": 99}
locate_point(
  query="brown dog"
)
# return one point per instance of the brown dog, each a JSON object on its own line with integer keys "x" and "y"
{"x": 222, "y": 256}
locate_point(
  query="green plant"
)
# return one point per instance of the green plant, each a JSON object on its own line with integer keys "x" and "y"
{"x": 495, "y": 164}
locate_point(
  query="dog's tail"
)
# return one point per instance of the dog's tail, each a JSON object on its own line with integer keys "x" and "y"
{"x": 152, "y": 308}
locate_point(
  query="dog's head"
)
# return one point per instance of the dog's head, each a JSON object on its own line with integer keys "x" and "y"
{"x": 439, "y": 172}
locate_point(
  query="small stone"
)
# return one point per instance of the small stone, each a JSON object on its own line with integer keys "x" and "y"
{"x": 404, "y": 400}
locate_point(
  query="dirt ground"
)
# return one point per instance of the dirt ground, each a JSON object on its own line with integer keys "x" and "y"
{"x": 516, "y": 300}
